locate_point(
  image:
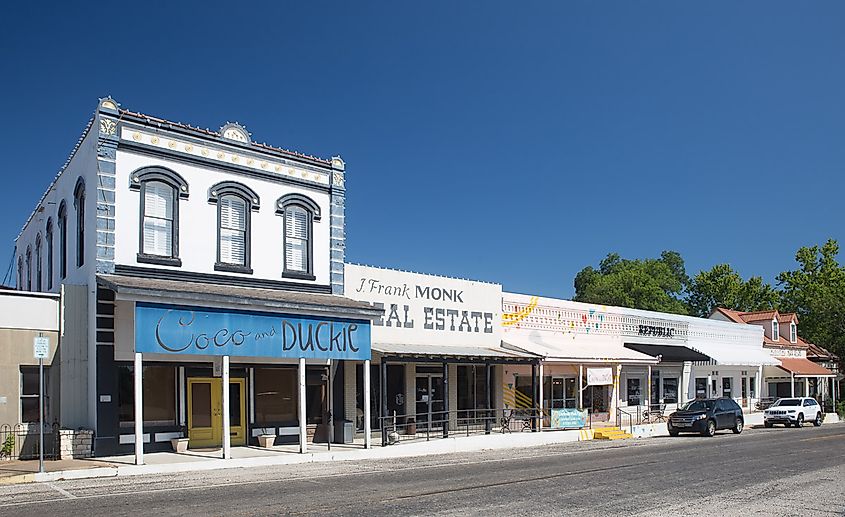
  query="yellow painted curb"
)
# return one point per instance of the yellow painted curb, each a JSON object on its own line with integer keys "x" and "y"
{"x": 14, "y": 480}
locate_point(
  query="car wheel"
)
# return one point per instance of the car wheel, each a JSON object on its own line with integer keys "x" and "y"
{"x": 673, "y": 433}
{"x": 800, "y": 421}
{"x": 738, "y": 427}
{"x": 768, "y": 425}
{"x": 818, "y": 421}
{"x": 710, "y": 430}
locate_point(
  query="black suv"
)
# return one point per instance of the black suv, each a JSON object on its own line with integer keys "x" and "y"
{"x": 706, "y": 416}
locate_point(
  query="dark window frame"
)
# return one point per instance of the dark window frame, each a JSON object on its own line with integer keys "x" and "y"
{"x": 28, "y": 268}
{"x": 312, "y": 211}
{"x": 20, "y": 273}
{"x": 33, "y": 370}
{"x": 138, "y": 181}
{"x": 49, "y": 238}
{"x": 38, "y": 254}
{"x": 79, "y": 205}
{"x": 253, "y": 203}
{"x": 62, "y": 218}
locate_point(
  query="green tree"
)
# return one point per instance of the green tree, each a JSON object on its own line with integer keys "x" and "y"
{"x": 721, "y": 286}
{"x": 816, "y": 292}
{"x": 649, "y": 284}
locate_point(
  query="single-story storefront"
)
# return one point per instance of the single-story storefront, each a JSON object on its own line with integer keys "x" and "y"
{"x": 797, "y": 377}
{"x": 222, "y": 365}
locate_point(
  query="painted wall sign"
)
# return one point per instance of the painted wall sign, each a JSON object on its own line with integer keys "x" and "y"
{"x": 425, "y": 309}
{"x": 653, "y": 330}
{"x": 169, "y": 329}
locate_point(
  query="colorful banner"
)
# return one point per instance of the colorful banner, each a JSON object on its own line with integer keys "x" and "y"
{"x": 567, "y": 418}
{"x": 169, "y": 329}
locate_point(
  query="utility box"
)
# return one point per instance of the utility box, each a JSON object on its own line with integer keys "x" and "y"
{"x": 344, "y": 432}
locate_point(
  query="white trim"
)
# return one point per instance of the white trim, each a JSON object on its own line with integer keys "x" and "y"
{"x": 129, "y": 439}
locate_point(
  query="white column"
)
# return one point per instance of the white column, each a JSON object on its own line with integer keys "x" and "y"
{"x": 227, "y": 424}
{"x": 303, "y": 447}
{"x": 581, "y": 387}
{"x": 648, "y": 392}
{"x": 367, "y": 425}
{"x": 806, "y": 386}
{"x": 540, "y": 420}
{"x": 139, "y": 410}
{"x": 792, "y": 383}
{"x": 710, "y": 386}
{"x": 686, "y": 379}
{"x": 759, "y": 382}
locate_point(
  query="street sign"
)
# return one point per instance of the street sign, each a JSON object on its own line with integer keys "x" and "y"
{"x": 41, "y": 347}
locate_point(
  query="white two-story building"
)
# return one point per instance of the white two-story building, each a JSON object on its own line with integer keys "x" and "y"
{"x": 211, "y": 264}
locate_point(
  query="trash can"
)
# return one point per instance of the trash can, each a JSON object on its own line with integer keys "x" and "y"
{"x": 343, "y": 431}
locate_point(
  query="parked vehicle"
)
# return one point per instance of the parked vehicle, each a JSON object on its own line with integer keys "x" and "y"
{"x": 706, "y": 416}
{"x": 794, "y": 411}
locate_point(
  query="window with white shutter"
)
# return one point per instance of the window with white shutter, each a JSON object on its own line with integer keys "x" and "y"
{"x": 296, "y": 239}
{"x": 233, "y": 228}
{"x": 159, "y": 198}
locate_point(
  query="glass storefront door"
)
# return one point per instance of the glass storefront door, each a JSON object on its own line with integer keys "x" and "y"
{"x": 205, "y": 412}
{"x": 430, "y": 401}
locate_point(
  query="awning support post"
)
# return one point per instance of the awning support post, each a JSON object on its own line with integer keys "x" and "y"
{"x": 581, "y": 387}
{"x": 792, "y": 383}
{"x": 303, "y": 447}
{"x": 806, "y": 386}
{"x": 227, "y": 424}
{"x": 649, "y": 386}
{"x": 367, "y": 425}
{"x": 533, "y": 394}
{"x": 446, "y": 416}
{"x": 139, "y": 409}
{"x": 541, "y": 397}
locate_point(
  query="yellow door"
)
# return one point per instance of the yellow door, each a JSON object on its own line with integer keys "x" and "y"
{"x": 205, "y": 412}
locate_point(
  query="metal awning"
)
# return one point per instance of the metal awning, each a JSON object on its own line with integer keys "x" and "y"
{"x": 555, "y": 346}
{"x": 199, "y": 293}
{"x": 669, "y": 353}
{"x": 448, "y": 352}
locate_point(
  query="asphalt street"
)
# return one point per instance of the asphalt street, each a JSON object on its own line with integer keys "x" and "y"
{"x": 768, "y": 471}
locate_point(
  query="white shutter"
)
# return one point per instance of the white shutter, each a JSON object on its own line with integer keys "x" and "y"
{"x": 296, "y": 239}
{"x": 158, "y": 219}
{"x": 232, "y": 230}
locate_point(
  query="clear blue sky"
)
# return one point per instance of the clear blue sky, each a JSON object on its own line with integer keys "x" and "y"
{"x": 514, "y": 142}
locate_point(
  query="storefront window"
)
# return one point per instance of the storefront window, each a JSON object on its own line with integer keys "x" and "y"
{"x": 375, "y": 396}
{"x": 752, "y": 387}
{"x": 670, "y": 390}
{"x": 635, "y": 393}
{"x": 655, "y": 388}
{"x": 523, "y": 385}
{"x": 472, "y": 389}
{"x": 275, "y": 395}
{"x": 727, "y": 387}
{"x": 159, "y": 395}
{"x": 701, "y": 387}
{"x": 29, "y": 394}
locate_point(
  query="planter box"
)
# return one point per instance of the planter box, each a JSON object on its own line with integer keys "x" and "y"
{"x": 179, "y": 444}
{"x": 266, "y": 440}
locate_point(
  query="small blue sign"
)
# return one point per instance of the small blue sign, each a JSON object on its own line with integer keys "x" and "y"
{"x": 170, "y": 329}
{"x": 567, "y": 418}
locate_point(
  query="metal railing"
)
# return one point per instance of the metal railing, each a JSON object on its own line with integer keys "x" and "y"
{"x": 20, "y": 441}
{"x": 464, "y": 422}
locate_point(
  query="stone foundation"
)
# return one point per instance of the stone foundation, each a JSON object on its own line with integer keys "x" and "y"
{"x": 75, "y": 443}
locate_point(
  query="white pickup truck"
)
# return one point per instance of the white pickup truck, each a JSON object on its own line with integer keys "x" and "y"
{"x": 793, "y": 411}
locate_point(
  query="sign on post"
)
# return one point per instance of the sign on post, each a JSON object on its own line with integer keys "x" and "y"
{"x": 41, "y": 347}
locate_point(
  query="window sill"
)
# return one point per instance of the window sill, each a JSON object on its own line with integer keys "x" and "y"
{"x": 298, "y": 276}
{"x": 232, "y": 268}
{"x": 158, "y": 260}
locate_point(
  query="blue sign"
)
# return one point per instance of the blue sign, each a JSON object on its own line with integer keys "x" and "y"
{"x": 568, "y": 418}
{"x": 170, "y": 329}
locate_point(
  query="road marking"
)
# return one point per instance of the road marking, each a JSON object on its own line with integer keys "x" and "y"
{"x": 61, "y": 490}
{"x": 831, "y": 437}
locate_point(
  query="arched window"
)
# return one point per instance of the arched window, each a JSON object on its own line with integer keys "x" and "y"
{"x": 79, "y": 204}
{"x": 62, "y": 239}
{"x": 235, "y": 202}
{"x": 160, "y": 190}
{"x": 20, "y": 273}
{"x": 28, "y": 268}
{"x": 38, "y": 284}
{"x": 49, "y": 234}
{"x": 299, "y": 214}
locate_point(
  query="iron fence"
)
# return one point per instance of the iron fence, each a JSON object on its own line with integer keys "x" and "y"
{"x": 21, "y": 442}
{"x": 465, "y": 422}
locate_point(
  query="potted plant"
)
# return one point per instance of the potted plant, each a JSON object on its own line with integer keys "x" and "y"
{"x": 266, "y": 440}
{"x": 180, "y": 445}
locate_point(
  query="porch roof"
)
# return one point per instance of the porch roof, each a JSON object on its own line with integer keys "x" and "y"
{"x": 452, "y": 352}
{"x": 802, "y": 367}
{"x": 555, "y": 346}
